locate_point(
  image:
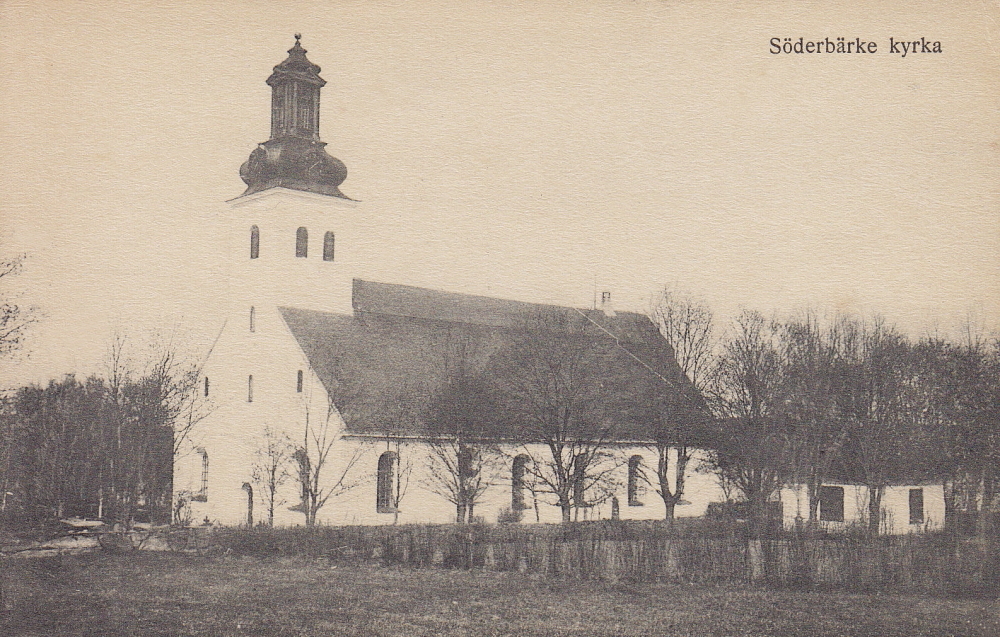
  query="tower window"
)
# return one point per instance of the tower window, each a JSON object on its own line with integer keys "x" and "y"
{"x": 253, "y": 319}
{"x": 254, "y": 242}
{"x": 298, "y": 382}
{"x": 328, "y": 246}
{"x": 250, "y": 388}
{"x": 206, "y": 386}
{"x": 635, "y": 477}
{"x": 386, "y": 482}
{"x": 302, "y": 243}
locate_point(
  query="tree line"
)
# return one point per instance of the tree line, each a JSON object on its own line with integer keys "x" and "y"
{"x": 103, "y": 446}
{"x": 802, "y": 401}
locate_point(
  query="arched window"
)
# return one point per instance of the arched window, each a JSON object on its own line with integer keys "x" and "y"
{"x": 254, "y": 242}
{"x": 206, "y": 386}
{"x": 328, "y": 246}
{"x": 517, "y": 484}
{"x": 298, "y": 382}
{"x": 302, "y": 243}
{"x": 580, "y": 483}
{"x": 250, "y": 388}
{"x": 385, "y": 501}
{"x": 253, "y": 317}
{"x": 635, "y": 478}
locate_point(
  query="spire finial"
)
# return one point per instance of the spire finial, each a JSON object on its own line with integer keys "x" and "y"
{"x": 298, "y": 36}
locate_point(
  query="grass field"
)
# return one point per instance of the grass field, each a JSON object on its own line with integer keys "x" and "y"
{"x": 149, "y": 594}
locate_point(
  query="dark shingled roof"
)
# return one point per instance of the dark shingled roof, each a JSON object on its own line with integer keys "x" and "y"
{"x": 392, "y": 352}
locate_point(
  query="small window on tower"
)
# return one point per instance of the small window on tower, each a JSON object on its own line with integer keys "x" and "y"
{"x": 250, "y": 388}
{"x": 253, "y": 319}
{"x": 206, "y": 386}
{"x": 302, "y": 243}
{"x": 298, "y": 382}
{"x": 328, "y": 246}
{"x": 254, "y": 242}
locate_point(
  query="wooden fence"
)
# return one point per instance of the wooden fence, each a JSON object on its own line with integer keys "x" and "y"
{"x": 644, "y": 552}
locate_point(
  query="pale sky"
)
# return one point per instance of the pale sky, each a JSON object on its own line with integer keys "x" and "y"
{"x": 513, "y": 149}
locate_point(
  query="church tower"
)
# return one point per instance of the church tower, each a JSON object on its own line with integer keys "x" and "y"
{"x": 291, "y": 241}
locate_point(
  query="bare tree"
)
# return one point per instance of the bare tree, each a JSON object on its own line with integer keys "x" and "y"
{"x": 752, "y": 453}
{"x": 464, "y": 460}
{"x": 153, "y": 404}
{"x": 461, "y": 472}
{"x": 271, "y": 468}
{"x": 962, "y": 392}
{"x": 561, "y": 386}
{"x": 399, "y": 414}
{"x": 346, "y": 402}
{"x": 874, "y": 398}
{"x": 686, "y": 325}
{"x": 14, "y": 318}
{"x": 313, "y": 459}
{"x": 814, "y": 362}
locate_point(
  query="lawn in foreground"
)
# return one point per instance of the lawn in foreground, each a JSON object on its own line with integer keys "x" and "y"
{"x": 148, "y": 594}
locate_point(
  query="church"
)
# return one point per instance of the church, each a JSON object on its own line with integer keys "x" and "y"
{"x": 331, "y": 398}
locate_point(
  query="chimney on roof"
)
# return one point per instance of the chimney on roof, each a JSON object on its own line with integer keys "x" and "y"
{"x": 606, "y": 306}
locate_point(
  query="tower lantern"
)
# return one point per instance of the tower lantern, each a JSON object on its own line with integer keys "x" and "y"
{"x": 295, "y": 85}
{"x": 294, "y": 157}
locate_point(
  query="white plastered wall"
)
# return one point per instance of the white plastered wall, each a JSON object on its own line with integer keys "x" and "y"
{"x": 233, "y": 431}
{"x": 895, "y": 507}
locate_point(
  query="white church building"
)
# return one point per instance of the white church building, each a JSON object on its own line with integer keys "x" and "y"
{"x": 313, "y": 354}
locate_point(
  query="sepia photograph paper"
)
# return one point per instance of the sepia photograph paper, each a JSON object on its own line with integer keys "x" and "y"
{"x": 601, "y": 317}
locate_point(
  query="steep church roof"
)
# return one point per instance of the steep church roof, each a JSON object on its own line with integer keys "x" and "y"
{"x": 382, "y": 365}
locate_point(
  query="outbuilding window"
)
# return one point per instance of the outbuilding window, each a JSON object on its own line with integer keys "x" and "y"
{"x": 206, "y": 386}
{"x": 250, "y": 388}
{"x": 298, "y": 382}
{"x": 831, "y": 504}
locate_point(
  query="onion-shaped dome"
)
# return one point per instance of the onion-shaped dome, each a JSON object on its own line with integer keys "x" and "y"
{"x": 296, "y": 163}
